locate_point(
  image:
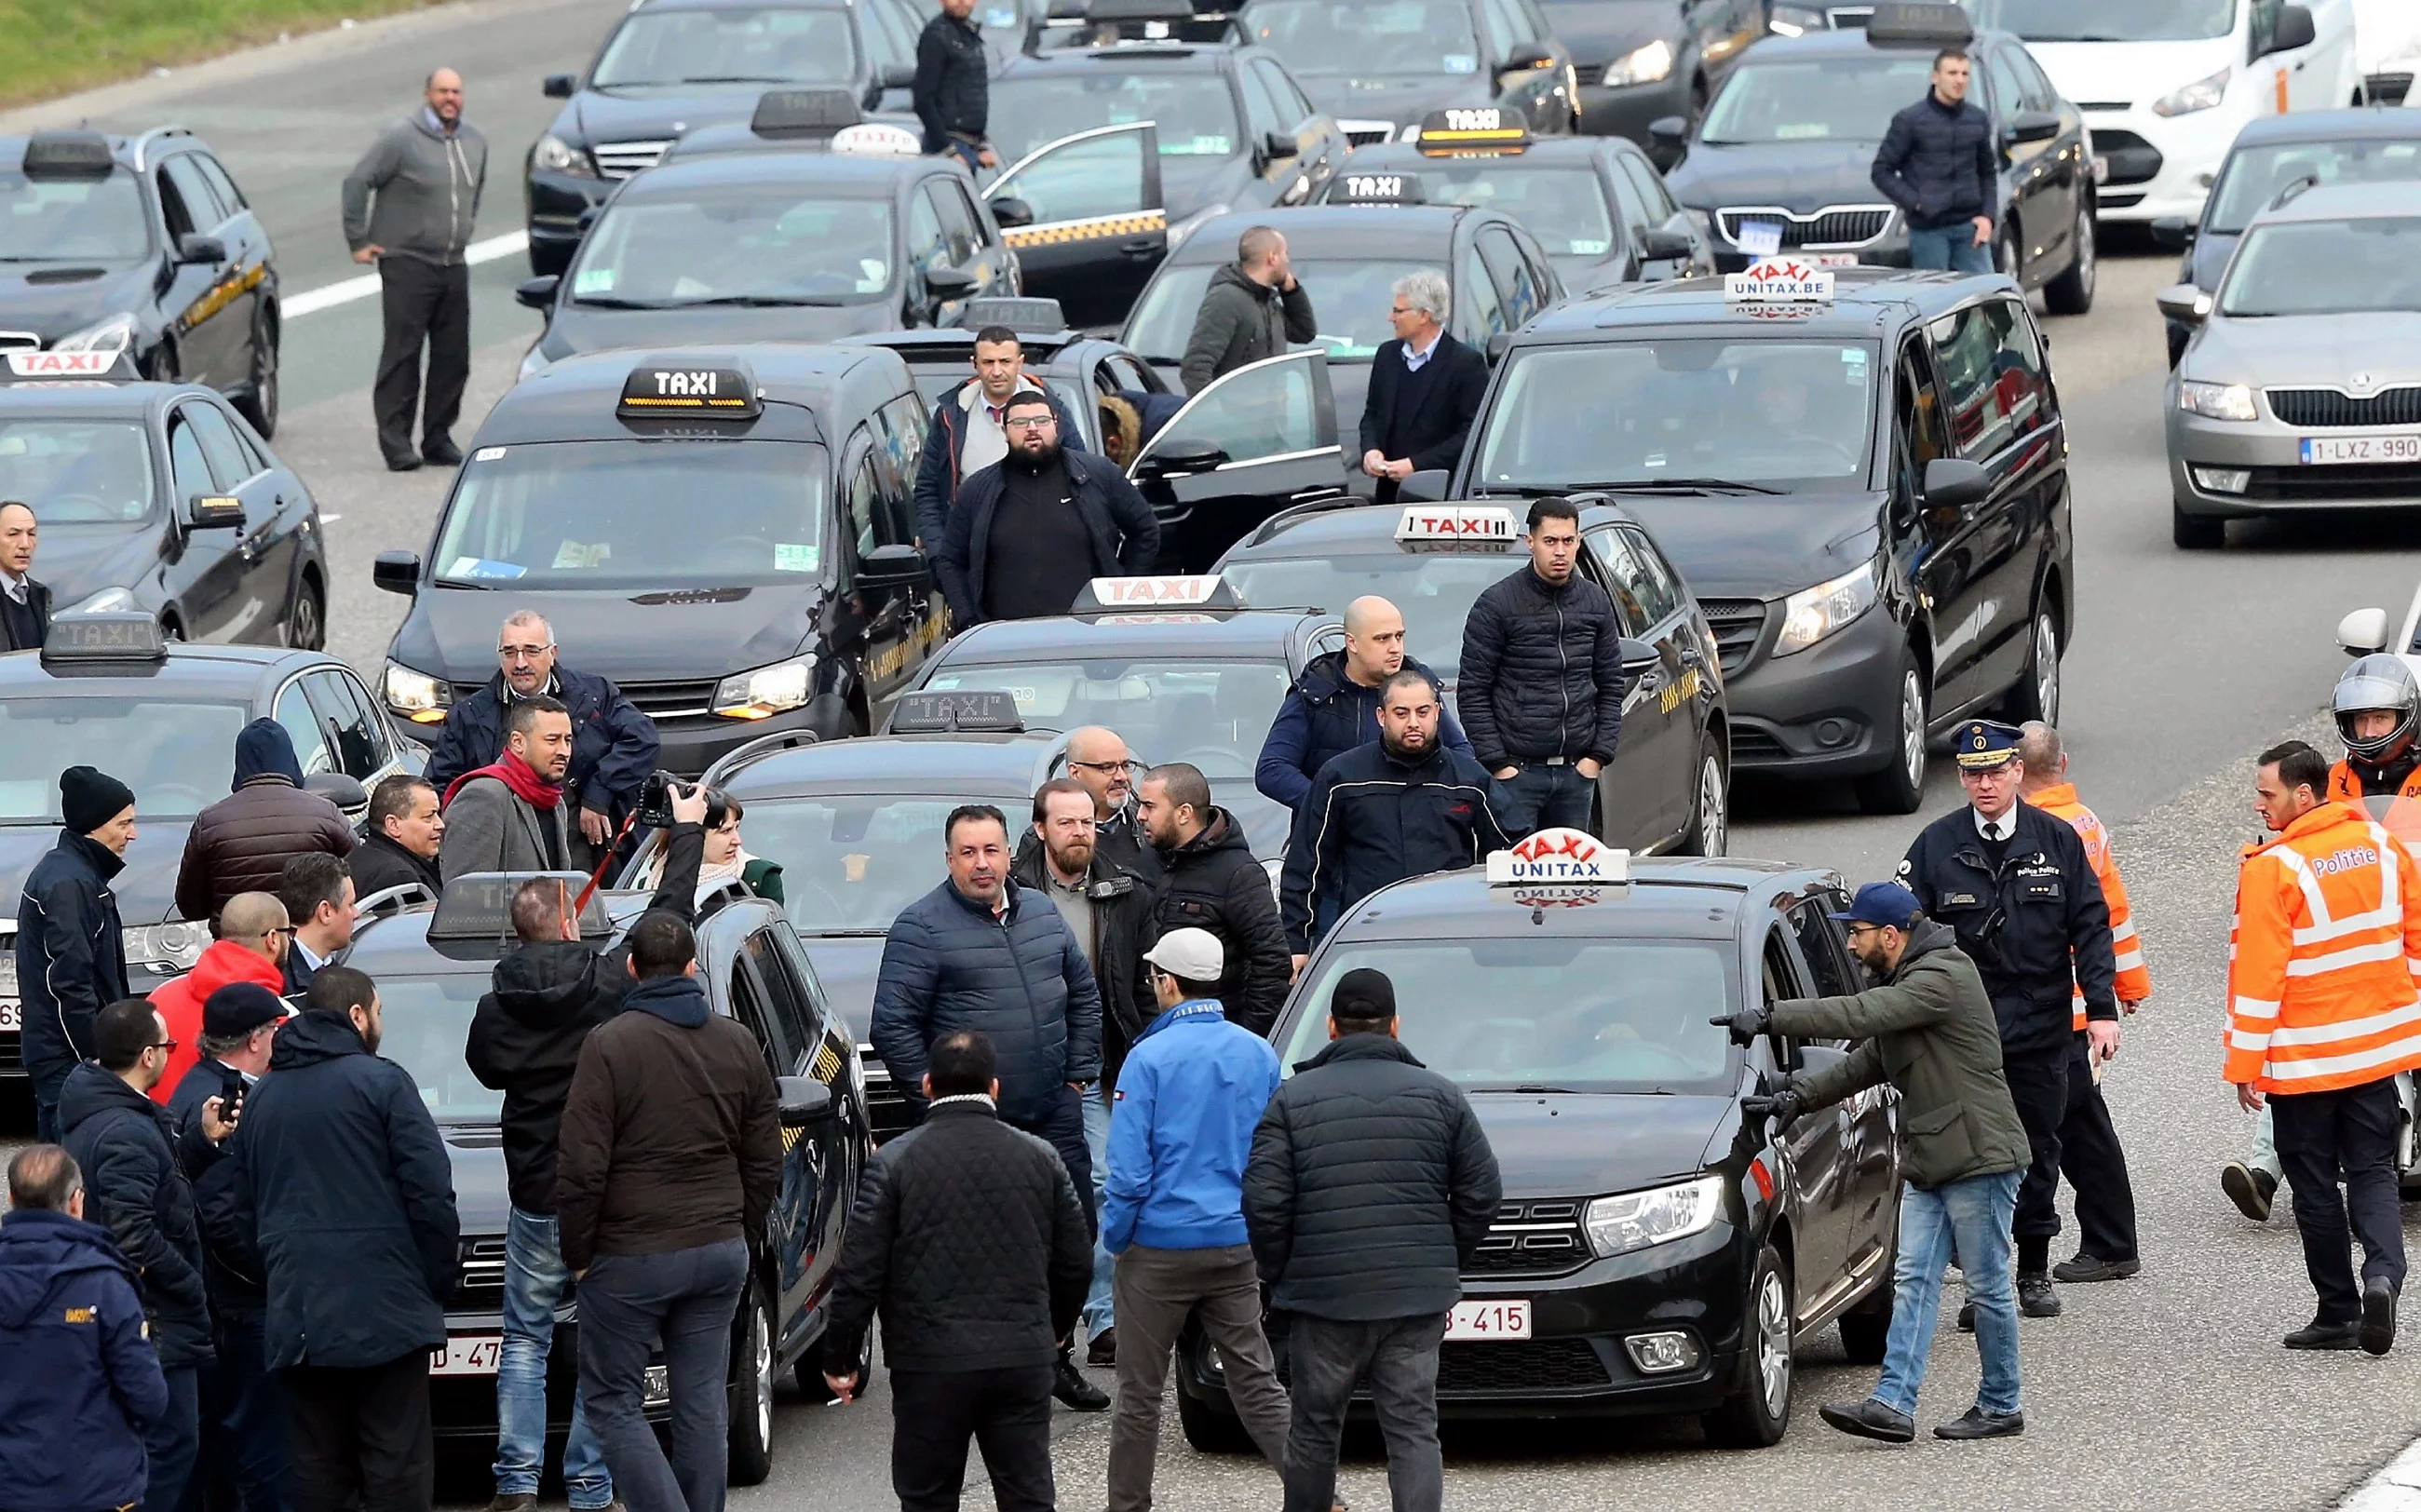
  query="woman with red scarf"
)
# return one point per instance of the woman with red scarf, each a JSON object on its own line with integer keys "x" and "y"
{"x": 508, "y": 815}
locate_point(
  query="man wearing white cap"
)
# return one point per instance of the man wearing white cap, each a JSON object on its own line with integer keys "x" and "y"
{"x": 1182, "y": 1126}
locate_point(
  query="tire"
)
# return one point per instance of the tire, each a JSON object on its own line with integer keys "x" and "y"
{"x": 307, "y": 623}
{"x": 1210, "y": 1430}
{"x": 751, "y": 1391}
{"x": 2071, "y": 292}
{"x": 1710, "y": 826}
{"x": 1758, "y": 1413}
{"x": 2195, "y": 533}
{"x": 1900, "y": 787}
{"x": 2009, "y": 258}
{"x": 259, "y": 403}
{"x": 2037, "y": 693}
{"x": 161, "y": 368}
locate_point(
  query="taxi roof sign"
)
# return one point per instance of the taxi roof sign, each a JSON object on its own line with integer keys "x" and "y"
{"x": 955, "y": 712}
{"x": 723, "y": 393}
{"x": 1905, "y": 21}
{"x": 478, "y": 905}
{"x": 1483, "y": 129}
{"x": 878, "y": 139}
{"x": 805, "y": 112}
{"x": 118, "y": 636}
{"x": 68, "y": 155}
{"x": 84, "y": 364}
{"x": 1380, "y": 188}
{"x": 1558, "y": 858}
{"x": 1478, "y": 525}
{"x": 1210, "y": 591}
{"x": 1780, "y": 281}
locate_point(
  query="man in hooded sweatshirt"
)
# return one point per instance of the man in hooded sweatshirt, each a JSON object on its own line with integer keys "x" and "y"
{"x": 251, "y": 947}
{"x": 524, "y": 1041}
{"x": 71, "y": 949}
{"x": 242, "y": 843}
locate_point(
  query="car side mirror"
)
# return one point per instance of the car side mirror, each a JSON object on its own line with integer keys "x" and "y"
{"x": 1183, "y": 454}
{"x": 1813, "y": 1058}
{"x": 2184, "y": 303}
{"x": 1662, "y": 245}
{"x": 2295, "y": 29}
{"x": 2173, "y": 233}
{"x": 339, "y": 790}
{"x": 1499, "y": 343}
{"x": 214, "y": 511}
{"x": 1669, "y": 130}
{"x": 803, "y": 1100}
{"x": 2362, "y": 631}
{"x": 1428, "y": 486}
{"x": 537, "y": 294}
{"x": 1953, "y": 483}
{"x": 560, "y": 86}
{"x": 397, "y": 572}
{"x": 949, "y": 283}
{"x": 2030, "y": 126}
{"x": 207, "y": 250}
{"x": 1009, "y": 212}
{"x": 1278, "y": 146}
{"x": 1527, "y": 56}
{"x": 1639, "y": 658}
{"x": 899, "y": 76}
{"x": 892, "y": 568}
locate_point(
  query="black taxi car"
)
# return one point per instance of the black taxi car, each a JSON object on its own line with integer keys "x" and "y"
{"x": 433, "y": 962}
{"x": 141, "y": 246}
{"x": 109, "y": 691}
{"x": 1862, "y": 474}
{"x": 1380, "y": 65}
{"x": 1669, "y": 785}
{"x": 1783, "y": 159}
{"x": 1596, "y": 204}
{"x": 1656, "y": 1253}
{"x": 727, "y": 532}
{"x": 1641, "y": 60}
{"x": 162, "y": 499}
{"x": 673, "y": 66}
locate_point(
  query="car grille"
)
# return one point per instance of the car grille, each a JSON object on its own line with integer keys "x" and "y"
{"x": 2326, "y": 407}
{"x": 1750, "y": 745}
{"x": 1532, "y": 1238}
{"x": 2392, "y": 481}
{"x": 1737, "y": 624}
{"x": 1505, "y": 1367}
{"x": 2387, "y": 88}
{"x": 2104, "y": 104}
{"x": 1367, "y": 132}
{"x": 2118, "y": 201}
{"x": 1849, "y": 18}
{"x": 1835, "y": 225}
{"x": 620, "y": 160}
{"x": 483, "y": 1269}
{"x": 886, "y": 1106}
{"x": 671, "y": 700}
{"x": 2132, "y": 160}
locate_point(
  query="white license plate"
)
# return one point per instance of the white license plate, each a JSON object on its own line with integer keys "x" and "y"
{"x": 1760, "y": 239}
{"x": 13, "y": 1016}
{"x": 467, "y": 1355}
{"x": 1837, "y": 259}
{"x": 1489, "y": 1321}
{"x": 2338, "y": 451}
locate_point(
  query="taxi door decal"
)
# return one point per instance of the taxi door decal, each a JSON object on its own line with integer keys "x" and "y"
{"x": 1070, "y": 210}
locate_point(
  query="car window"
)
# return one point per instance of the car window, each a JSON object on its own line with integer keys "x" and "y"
{"x": 1098, "y": 176}
{"x": 1781, "y": 975}
{"x": 1667, "y": 582}
{"x": 1373, "y": 40}
{"x": 1496, "y": 30}
{"x": 1992, "y": 392}
{"x": 344, "y": 712}
{"x": 231, "y": 461}
{"x": 1516, "y": 286}
{"x": 2261, "y": 26}
{"x": 1636, "y": 211}
{"x": 1919, "y": 419}
{"x": 230, "y": 197}
{"x": 1290, "y": 94}
{"x": 1289, "y": 104}
{"x": 187, "y": 467}
{"x": 977, "y": 233}
{"x": 959, "y": 234}
{"x": 1653, "y": 196}
{"x": 902, "y": 424}
{"x": 887, "y": 47}
{"x": 1478, "y": 312}
{"x": 1193, "y": 112}
{"x": 185, "y": 171}
{"x": 763, "y": 45}
{"x": 1262, "y": 115}
{"x": 861, "y": 502}
{"x": 1642, "y": 574}
{"x": 788, "y": 1019}
{"x": 294, "y": 711}
{"x": 1622, "y": 575}
{"x": 2018, "y": 368}
{"x": 748, "y": 1010}
{"x": 1821, "y": 946}
{"x": 183, "y": 220}
{"x": 2040, "y": 93}
{"x": 2008, "y": 90}
{"x": 926, "y": 245}
{"x": 1268, "y": 410}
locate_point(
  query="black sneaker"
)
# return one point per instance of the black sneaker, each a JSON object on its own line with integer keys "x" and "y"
{"x": 2317, "y": 1336}
{"x": 438, "y": 451}
{"x": 404, "y": 463}
{"x": 1069, "y": 1384}
{"x": 1102, "y": 1350}
{"x": 2035, "y": 1297}
{"x": 514, "y": 1502}
{"x": 1977, "y": 1423}
{"x": 1966, "y": 1317}
{"x": 1871, "y": 1419}
{"x": 2251, "y": 1191}
{"x": 2093, "y": 1268}
{"x": 2377, "y": 1333}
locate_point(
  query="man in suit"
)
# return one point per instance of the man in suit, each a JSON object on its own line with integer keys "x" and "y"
{"x": 508, "y": 815}
{"x": 24, "y": 604}
{"x": 1425, "y": 388}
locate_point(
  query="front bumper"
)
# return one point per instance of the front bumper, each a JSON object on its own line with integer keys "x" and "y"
{"x": 1825, "y": 711}
{"x": 464, "y": 1408}
{"x": 556, "y": 201}
{"x": 2270, "y": 455}
{"x": 1625, "y": 110}
{"x": 2158, "y": 166}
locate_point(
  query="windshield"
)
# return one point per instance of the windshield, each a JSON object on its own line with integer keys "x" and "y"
{"x": 2099, "y": 20}
{"x": 726, "y": 45}
{"x": 1194, "y": 114}
{"x": 2255, "y": 176}
{"x": 72, "y": 220}
{"x": 636, "y": 514}
{"x": 423, "y": 1027}
{"x": 1435, "y": 593}
{"x": 1582, "y": 1015}
{"x": 2374, "y": 264}
{"x": 1351, "y": 301}
{"x": 1563, "y": 208}
{"x": 176, "y": 753}
{"x": 1838, "y": 97}
{"x": 743, "y": 247}
{"x": 1635, "y": 411}
{"x": 1367, "y": 38}
{"x": 1212, "y": 714}
{"x": 77, "y": 472}
{"x": 851, "y": 862}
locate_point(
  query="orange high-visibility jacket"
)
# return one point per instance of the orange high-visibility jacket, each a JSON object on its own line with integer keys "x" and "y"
{"x": 2400, "y": 811}
{"x": 2134, "y": 982}
{"x": 2327, "y": 940}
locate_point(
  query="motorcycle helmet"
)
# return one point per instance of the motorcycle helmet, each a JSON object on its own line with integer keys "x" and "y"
{"x": 2377, "y": 682}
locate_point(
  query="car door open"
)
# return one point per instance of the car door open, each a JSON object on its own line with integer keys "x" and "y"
{"x": 1098, "y": 224}
{"x": 1252, "y": 443}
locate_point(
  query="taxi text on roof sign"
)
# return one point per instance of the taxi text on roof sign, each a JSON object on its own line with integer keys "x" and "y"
{"x": 1484, "y": 128}
{"x": 878, "y": 139}
{"x": 61, "y": 364}
{"x": 1382, "y": 188}
{"x": 725, "y": 393}
{"x": 1780, "y": 281}
{"x": 1553, "y": 856}
{"x": 1155, "y": 590}
{"x": 1477, "y": 523}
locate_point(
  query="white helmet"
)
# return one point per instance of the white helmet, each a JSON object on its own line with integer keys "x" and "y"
{"x": 2377, "y": 682}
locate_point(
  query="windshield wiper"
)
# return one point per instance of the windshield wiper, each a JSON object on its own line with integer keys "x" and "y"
{"x": 752, "y": 302}
{"x": 734, "y": 78}
{"x": 1530, "y": 1087}
{"x": 1679, "y": 485}
{"x": 1529, "y": 490}
{"x": 610, "y": 301}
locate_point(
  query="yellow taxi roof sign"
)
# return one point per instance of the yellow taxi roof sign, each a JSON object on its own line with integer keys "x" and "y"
{"x": 1559, "y": 856}
{"x": 1474, "y": 129}
{"x": 721, "y": 393}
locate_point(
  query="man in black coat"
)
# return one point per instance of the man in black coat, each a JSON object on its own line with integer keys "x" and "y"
{"x": 1212, "y": 881}
{"x": 1425, "y": 388}
{"x": 1033, "y": 528}
{"x": 70, "y": 948}
{"x": 1334, "y": 707}
{"x": 1938, "y": 162}
{"x": 24, "y": 604}
{"x": 952, "y": 93}
{"x": 1370, "y": 1183}
{"x": 968, "y": 1236}
{"x": 405, "y": 829}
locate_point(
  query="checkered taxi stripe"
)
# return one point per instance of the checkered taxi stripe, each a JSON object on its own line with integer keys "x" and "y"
{"x": 1092, "y": 228}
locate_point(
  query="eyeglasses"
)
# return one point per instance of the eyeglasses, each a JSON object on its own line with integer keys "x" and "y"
{"x": 1032, "y": 422}
{"x": 1106, "y": 766}
{"x": 523, "y": 653}
{"x": 168, "y": 1045}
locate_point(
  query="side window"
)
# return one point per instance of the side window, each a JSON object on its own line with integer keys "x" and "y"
{"x": 2017, "y": 367}
{"x": 1612, "y": 551}
{"x": 359, "y": 747}
{"x": 1657, "y": 203}
{"x": 2040, "y": 93}
{"x": 862, "y": 501}
{"x": 2008, "y": 88}
{"x": 1266, "y": 410}
{"x": 187, "y": 467}
{"x": 748, "y": 1008}
{"x": 1478, "y": 312}
{"x": 902, "y": 421}
{"x": 958, "y": 234}
{"x": 788, "y": 1019}
{"x": 1821, "y": 946}
{"x": 1965, "y": 346}
{"x": 1657, "y": 571}
{"x": 1499, "y": 29}
{"x": 977, "y": 235}
{"x": 1516, "y": 287}
{"x": 926, "y": 245}
{"x": 1919, "y": 417}
{"x": 1290, "y": 94}
{"x": 230, "y": 197}
{"x": 201, "y": 200}
{"x": 884, "y": 47}
{"x": 1637, "y": 214}
{"x": 1781, "y": 977}
{"x": 1104, "y": 175}
{"x": 2263, "y": 27}
{"x": 1261, "y": 113}
{"x": 230, "y": 460}
{"x": 293, "y": 710}
{"x": 183, "y": 220}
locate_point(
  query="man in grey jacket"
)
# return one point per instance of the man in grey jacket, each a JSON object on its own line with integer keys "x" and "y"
{"x": 425, "y": 172}
{"x": 1253, "y": 309}
{"x": 508, "y": 815}
{"x": 1928, "y": 1029}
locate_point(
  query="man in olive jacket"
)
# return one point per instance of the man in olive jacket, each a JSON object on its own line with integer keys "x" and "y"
{"x": 1930, "y": 1031}
{"x": 1252, "y": 309}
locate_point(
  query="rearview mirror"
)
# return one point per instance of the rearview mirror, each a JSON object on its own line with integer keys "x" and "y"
{"x": 1527, "y": 56}
{"x": 2031, "y": 126}
{"x": 537, "y": 294}
{"x": 2295, "y": 29}
{"x": 949, "y": 283}
{"x": 2362, "y": 631}
{"x": 1499, "y": 343}
{"x": 560, "y": 86}
{"x": 207, "y": 250}
{"x": 1010, "y": 212}
{"x": 1669, "y": 130}
{"x": 339, "y": 790}
{"x": 899, "y": 76}
{"x": 1953, "y": 483}
{"x": 2184, "y": 303}
{"x": 214, "y": 511}
{"x": 397, "y": 572}
{"x": 1814, "y": 1058}
{"x": 892, "y": 568}
{"x": 2172, "y": 233}
{"x": 1184, "y": 454}
{"x": 1639, "y": 658}
{"x": 803, "y": 1100}
{"x": 1428, "y": 486}
{"x": 1662, "y": 245}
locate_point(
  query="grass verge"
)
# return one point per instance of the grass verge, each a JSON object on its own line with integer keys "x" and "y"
{"x": 50, "y": 47}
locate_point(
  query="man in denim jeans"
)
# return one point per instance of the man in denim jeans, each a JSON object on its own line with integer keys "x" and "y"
{"x": 1930, "y": 1030}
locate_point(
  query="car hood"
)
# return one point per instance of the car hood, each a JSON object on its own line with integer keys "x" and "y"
{"x": 1756, "y": 547}
{"x": 52, "y": 299}
{"x": 1586, "y": 1145}
{"x": 2136, "y": 73}
{"x": 145, "y": 890}
{"x": 2308, "y": 348}
{"x": 631, "y": 636}
{"x": 1599, "y": 31}
{"x": 78, "y": 561}
{"x": 1401, "y": 99}
{"x": 654, "y": 114}
{"x": 574, "y": 329}
{"x": 1798, "y": 175}
{"x": 481, "y": 1196}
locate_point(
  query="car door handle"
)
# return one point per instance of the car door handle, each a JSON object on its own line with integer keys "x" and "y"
{"x": 1142, "y": 246}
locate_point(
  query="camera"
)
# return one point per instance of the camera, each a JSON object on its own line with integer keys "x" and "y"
{"x": 656, "y": 800}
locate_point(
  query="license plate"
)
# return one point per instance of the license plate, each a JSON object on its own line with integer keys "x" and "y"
{"x": 1837, "y": 259}
{"x": 1489, "y": 1321}
{"x": 13, "y": 1016}
{"x": 2338, "y": 451}
{"x": 467, "y": 1355}
{"x": 1758, "y": 238}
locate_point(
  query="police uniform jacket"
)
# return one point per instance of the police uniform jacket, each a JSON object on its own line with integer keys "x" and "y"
{"x": 2037, "y": 927}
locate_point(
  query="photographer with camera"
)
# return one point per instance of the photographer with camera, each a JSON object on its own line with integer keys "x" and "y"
{"x": 525, "y": 1040}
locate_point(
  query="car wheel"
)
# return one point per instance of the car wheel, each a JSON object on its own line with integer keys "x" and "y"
{"x": 2037, "y": 693}
{"x": 161, "y": 368}
{"x": 2007, "y": 258}
{"x": 1710, "y": 806}
{"x": 1757, "y": 1412}
{"x": 306, "y": 623}
{"x": 751, "y": 1391}
{"x": 260, "y": 405}
{"x": 1899, "y": 788}
{"x": 2071, "y": 292}
{"x": 1209, "y": 1429}
{"x": 2195, "y": 533}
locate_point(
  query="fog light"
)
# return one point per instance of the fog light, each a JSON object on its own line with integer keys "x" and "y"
{"x": 660, "y": 1387}
{"x": 1833, "y": 732}
{"x": 2223, "y": 479}
{"x": 1659, "y": 1354}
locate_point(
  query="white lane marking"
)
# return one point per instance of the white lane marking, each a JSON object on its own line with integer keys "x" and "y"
{"x": 2397, "y": 1488}
{"x": 330, "y": 520}
{"x": 312, "y": 301}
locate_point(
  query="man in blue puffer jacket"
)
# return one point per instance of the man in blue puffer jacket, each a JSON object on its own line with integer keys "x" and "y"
{"x": 1941, "y": 166}
{"x": 1334, "y": 707}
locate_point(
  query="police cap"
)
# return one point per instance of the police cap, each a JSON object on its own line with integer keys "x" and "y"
{"x": 1982, "y": 745}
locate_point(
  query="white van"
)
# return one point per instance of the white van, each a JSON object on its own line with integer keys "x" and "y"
{"x": 2165, "y": 84}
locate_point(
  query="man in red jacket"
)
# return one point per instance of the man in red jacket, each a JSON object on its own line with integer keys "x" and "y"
{"x": 252, "y": 939}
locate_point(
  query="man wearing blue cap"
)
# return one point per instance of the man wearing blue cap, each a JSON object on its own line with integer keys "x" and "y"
{"x": 1930, "y": 1030}
{"x": 2016, "y": 886}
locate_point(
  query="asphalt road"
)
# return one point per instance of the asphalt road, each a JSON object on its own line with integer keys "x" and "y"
{"x": 2166, "y": 1391}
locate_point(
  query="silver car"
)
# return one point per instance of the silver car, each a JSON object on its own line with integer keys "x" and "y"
{"x": 2300, "y": 388}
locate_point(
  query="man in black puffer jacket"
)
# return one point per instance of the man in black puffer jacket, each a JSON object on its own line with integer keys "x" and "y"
{"x": 1938, "y": 164}
{"x": 1370, "y": 1183}
{"x": 1210, "y": 880}
{"x": 1541, "y": 679}
{"x": 1334, "y": 707}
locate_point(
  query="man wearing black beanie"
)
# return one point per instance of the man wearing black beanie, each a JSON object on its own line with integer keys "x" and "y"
{"x": 71, "y": 955}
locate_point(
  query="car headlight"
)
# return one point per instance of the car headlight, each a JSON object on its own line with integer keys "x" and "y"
{"x": 767, "y": 690}
{"x": 553, "y": 155}
{"x": 108, "y": 600}
{"x": 114, "y": 335}
{"x": 1636, "y": 1220}
{"x": 416, "y": 695}
{"x": 2216, "y": 401}
{"x": 1642, "y": 65}
{"x": 1812, "y": 614}
{"x": 1178, "y": 233}
{"x": 167, "y": 946}
{"x": 2200, "y": 95}
{"x": 1795, "y": 21}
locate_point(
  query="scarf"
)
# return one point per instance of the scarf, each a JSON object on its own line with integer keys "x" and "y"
{"x": 711, "y": 875}
{"x": 517, "y": 776}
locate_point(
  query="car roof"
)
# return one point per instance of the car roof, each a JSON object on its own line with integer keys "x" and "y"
{"x": 1409, "y": 157}
{"x": 129, "y": 152}
{"x": 1866, "y": 302}
{"x": 229, "y": 671}
{"x": 2387, "y": 123}
{"x": 1688, "y": 898}
{"x": 954, "y": 346}
{"x": 1217, "y": 635}
{"x": 748, "y": 5}
{"x": 576, "y": 399}
{"x": 1849, "y": 41}
{"x": 1317, "y": 530}
{"x": 2338, "y": 202}
{"x": 97, "y": 397}
{"x": 854, "y": 174}
{"x": 1373, "y": 231}
{"x": 1170, "y": 57}
{"x": 995, "y": 763}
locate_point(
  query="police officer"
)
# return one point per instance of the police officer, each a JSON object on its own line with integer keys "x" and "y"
{"x": 2016, "y": 885}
